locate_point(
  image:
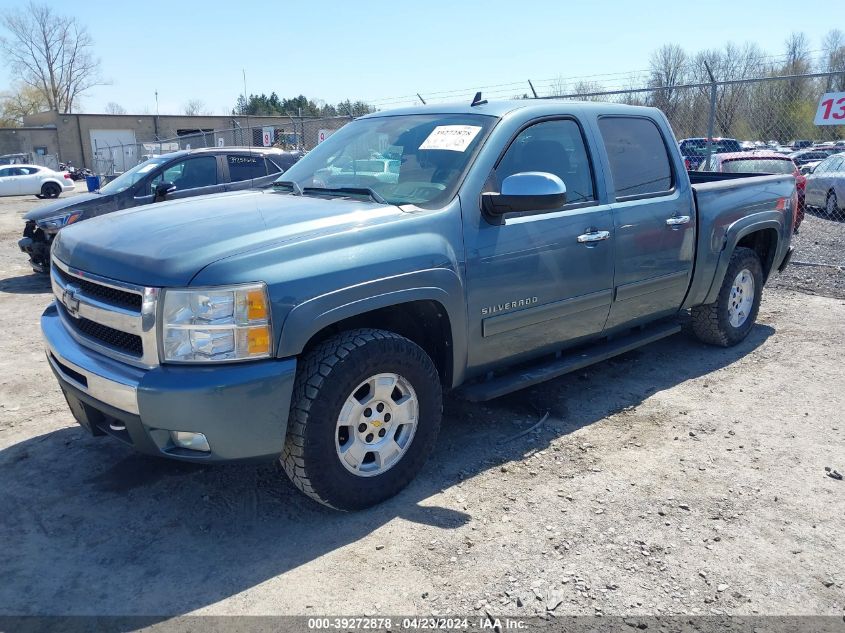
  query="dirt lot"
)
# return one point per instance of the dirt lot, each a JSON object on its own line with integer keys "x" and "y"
{"x": 676, "y": 479}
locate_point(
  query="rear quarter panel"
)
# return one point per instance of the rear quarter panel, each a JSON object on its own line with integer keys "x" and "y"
{"x": 729, "y": 210}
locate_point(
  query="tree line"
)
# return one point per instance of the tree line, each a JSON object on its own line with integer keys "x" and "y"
{"x": 776, "y": 109}
{"x": 301, "y": 106}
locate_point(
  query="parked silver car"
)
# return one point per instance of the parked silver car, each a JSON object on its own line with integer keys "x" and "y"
{"x": 825, "y": 186}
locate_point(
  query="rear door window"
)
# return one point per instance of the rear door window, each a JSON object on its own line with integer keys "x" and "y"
{"x": 639, "y": 161}
{"x": 245, "y": 167}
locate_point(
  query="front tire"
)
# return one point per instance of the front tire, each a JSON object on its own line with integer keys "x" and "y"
{"x": 364, "y": 418}
{"x": 729, "y": 319}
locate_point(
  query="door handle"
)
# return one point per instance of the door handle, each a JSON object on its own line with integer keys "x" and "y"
{"x": 594, "y": 236}
{"x": 677, "y": 220}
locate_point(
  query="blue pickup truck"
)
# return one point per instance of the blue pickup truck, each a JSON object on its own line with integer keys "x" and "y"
{"x": 320, "y": 322}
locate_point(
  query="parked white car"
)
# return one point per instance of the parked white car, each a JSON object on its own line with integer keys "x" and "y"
{"x": 35, "y": 180}
{"x": 825, "y": 186}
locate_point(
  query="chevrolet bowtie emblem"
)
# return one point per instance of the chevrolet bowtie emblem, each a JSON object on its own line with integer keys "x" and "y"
{"x": 70, "y": 301}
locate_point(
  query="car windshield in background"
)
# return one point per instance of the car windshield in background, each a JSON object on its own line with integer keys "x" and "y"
{"x": 698, "y": 147}
{"x": 758, "y": 166}
{"x": 129, "y": 178}
{"x": 413, "y": 159}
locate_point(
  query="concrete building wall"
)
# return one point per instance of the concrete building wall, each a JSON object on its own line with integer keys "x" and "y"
{"x": 27, "y": 139}
{"x": 74, "y": 130}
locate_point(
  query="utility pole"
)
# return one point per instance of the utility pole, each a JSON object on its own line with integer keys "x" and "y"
{"x": 155, "y": 121}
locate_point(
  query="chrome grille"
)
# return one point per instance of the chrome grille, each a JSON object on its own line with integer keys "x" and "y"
{"x": 122, "y": 298}
{"x": 114, "y": 318}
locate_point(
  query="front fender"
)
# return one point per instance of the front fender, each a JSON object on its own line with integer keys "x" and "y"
{"x": 438, "y": 284}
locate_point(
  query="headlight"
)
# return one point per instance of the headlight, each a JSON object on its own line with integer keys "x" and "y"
{"x": 216, "y": 324}
{"x": 51, "y": 225}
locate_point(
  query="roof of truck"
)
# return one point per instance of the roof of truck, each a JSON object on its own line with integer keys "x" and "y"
{"x": 501, "y": 108}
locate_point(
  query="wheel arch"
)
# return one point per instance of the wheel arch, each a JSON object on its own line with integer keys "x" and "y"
{"x": 49, "y": 181}
{"x": 762, "y": 236}
{"x": 432, "y": 316}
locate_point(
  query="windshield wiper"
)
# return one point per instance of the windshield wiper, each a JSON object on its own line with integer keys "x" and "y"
{"x": 294, "y": 186}
{"x": 355, "y": 191}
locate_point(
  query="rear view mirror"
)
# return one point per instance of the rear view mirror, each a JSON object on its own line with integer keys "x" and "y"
{"x": 526, "y": 191}
{"x": 162, "y": 189}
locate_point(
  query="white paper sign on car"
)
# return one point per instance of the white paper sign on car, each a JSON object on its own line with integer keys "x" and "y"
{"x": 454, "y": 138}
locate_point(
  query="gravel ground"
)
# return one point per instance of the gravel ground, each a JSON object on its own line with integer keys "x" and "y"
{"x": 677, "y": 479}
{"x": 819, "y": 258}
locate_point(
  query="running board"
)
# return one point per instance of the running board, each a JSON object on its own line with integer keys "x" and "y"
{"x": 528, "y": 376}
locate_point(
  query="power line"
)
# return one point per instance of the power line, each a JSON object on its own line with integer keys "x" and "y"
{"x": 634, "y": 79}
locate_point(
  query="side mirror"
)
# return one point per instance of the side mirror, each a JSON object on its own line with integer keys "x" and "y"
{"x": 526, "y": 191}
{"x": 162, "y": 189}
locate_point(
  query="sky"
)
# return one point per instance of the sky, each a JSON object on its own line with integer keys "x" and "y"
{"x": 385, "y": 52}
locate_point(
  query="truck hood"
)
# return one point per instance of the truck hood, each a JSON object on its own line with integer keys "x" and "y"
{"x": 168, "y": 243}
{"x": 81, "y": 201}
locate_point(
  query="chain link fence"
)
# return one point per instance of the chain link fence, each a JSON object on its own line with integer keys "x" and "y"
{"x": 301, "y": 134}
{"x": 757, "y": 120}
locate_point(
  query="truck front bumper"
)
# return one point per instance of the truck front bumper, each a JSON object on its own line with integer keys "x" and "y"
{"x": 241, "y": 408}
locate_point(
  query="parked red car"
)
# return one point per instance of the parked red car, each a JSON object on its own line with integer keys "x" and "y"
{"x": 760, "y": 162}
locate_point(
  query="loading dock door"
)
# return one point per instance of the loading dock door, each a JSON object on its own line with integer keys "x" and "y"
{"x": 114, "y": 150}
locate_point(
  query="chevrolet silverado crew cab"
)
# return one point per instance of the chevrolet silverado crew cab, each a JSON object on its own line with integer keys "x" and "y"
{"x": 320, "y": 321}
{"x": 170, "y": 176}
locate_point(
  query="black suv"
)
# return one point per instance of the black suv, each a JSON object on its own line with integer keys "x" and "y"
{"x": 168, "y": 177}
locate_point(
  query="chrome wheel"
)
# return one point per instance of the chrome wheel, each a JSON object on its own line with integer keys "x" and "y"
{"x": 376, "y": 425}
{"x": 741, "y": 298}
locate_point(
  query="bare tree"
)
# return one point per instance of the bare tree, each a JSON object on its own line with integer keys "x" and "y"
{"x": 833, "y": 49}
{"x": 16, "y": 105}
{"x": 50, "y": 53}
{"x": 585, "y": 89}
{"x": 796, "y": 54}
{"x": 194, "y": 107}
{"x": 729, "y": 64}
{"x": 667, "y": 68}
{"x": 557, "y": 87}
{"x": 115, "y": 108}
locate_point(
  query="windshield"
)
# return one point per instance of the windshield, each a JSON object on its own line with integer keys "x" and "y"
{"x": 129, "y": 178}
{"x": 408, "y": 159}
{"x": 758, "y": 166}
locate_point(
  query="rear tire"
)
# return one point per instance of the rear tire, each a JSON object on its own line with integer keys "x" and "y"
{"x": 730, "y": 318}
{"x": 51, "y": 190}
{"x": 364, "y": 418}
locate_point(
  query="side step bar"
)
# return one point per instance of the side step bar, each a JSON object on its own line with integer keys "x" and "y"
{"x": 528, "y": 376}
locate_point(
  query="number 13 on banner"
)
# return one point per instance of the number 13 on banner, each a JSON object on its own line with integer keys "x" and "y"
{"x": 831, "y": 110}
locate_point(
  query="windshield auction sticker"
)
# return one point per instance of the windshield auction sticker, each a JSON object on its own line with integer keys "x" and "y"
{"x": 454, "y": 138}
